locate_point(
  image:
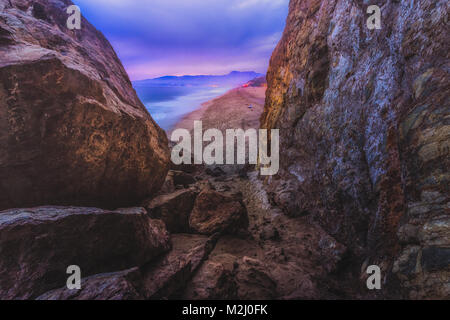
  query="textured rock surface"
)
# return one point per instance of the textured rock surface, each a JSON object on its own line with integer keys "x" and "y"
{"x": 254, "y": 280}
{"x": 278, "y": 256}
{"x": 364, "y": 128}
{"x": 182, "y": 178}
{"x": 72, "y": 129}
{"x": 162, "y": 278}
{"x": 213, "y": 281}
{"x": 167, "y": 277}
{"x": 173, "y": 208}
{"x": 214, "y": 212}
{"x": 37, "y": 245}
{"x": 122, "y": 285}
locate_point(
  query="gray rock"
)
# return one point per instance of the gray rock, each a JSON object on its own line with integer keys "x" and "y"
{"x": 37, "y": 245}
{"x": 436, "y": 259}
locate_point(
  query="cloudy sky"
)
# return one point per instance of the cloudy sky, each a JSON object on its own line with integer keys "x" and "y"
{"x": 176, "y": 37}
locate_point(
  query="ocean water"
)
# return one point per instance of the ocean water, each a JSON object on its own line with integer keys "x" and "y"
{"x": 168, "y": 104}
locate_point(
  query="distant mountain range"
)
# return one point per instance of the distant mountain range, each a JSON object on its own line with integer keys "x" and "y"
{"x": 234, "y": 78}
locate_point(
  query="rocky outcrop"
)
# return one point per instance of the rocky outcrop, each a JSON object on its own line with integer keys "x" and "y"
{"x": 122, "y": 285}
{"x": 424, "y": 263}
{"x": 278, "y": 257}
{"x": 224, "y": 276}
{"x": 257, "y": 82}
{"x": 38, "y": 245}
{"x": 163, "y": 278}
{"x": 254, "y": 281}
{"x": 168, "y": 276}
{"x": 181, "y": 178}
{"x": 72, "y": 129}
{"x": 173, "y": 208}
{"x": 217, "y": 213}
{"x": 363, "y": 118}
{"x": 213, "y": 281}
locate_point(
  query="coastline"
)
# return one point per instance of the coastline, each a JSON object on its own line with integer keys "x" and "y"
{"x": 227, "y": 111}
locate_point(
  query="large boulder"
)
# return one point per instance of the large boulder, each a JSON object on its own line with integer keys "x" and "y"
{"x": 173, "y": 208}
{"x": 214, "y": 280}
{"x": 162, "y": 278}
{"x": 217, "y": 213}
{"x": 363, "y": 119}
{"x": 254, "y": 280}
{"x": 167, "y": 277}
{"x": 182, "y": 178}
{"x": 72, "y": 129}
{"x": 37, "y": 245}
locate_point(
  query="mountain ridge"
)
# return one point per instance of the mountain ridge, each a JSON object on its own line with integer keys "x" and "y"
{"x": 232, "y": 78}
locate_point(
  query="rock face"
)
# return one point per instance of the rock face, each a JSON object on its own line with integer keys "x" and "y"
{"x": 72, "y": 129}
{"x": 213, "y": 281}
{"x": 37, "y": 245}
{"x": 225, "y": 277}
{"x": 364, "y": 128}
{"x": 214, "y": 212}
{"x": 162, "y": 278}
{"x": 122, "y": 285}
{"x": 254, "y": 281}
{"x": 167, "y": 277}
{"x": 174, "y": 209}
{"x": 182, "y": 178}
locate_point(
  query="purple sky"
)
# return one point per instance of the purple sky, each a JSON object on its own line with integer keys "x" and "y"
{"x": 177, "y": 37}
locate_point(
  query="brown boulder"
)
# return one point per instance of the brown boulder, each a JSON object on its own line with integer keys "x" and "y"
{"x": 174, "y": 209}
{"x": 72, "y": 129}
{"x": 188, "y": 168}
{"x": 168, "y": 185}
{"x": 214, "y": 280}
{"x": 160, "y": 279}
{"x": 182, "y": 178}
{"x": 254, "y": 281}
{"x": 214, "y": 212}
{"x": 37, "y": 245}
{"x": 225, "y": 276}
{"x": 166, "y": 277}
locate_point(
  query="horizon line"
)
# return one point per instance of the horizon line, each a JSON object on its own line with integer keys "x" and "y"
{"x": 198, "y": 75}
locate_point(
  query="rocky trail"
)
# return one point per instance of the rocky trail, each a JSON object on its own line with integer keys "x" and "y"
{"x": 228, "y": 240}
{"x": 207, "y": 235}
{"x": 241, "y": 248}
{"x": 273, "y": 256}
{"x": 276, "y": 257}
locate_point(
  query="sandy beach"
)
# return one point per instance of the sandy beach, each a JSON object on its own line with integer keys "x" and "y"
{"x": 229, "y": 111}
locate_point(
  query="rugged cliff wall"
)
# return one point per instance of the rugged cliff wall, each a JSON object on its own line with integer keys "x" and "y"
{"x": 364, "y": 118}
{"x": 72, "y": 129}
